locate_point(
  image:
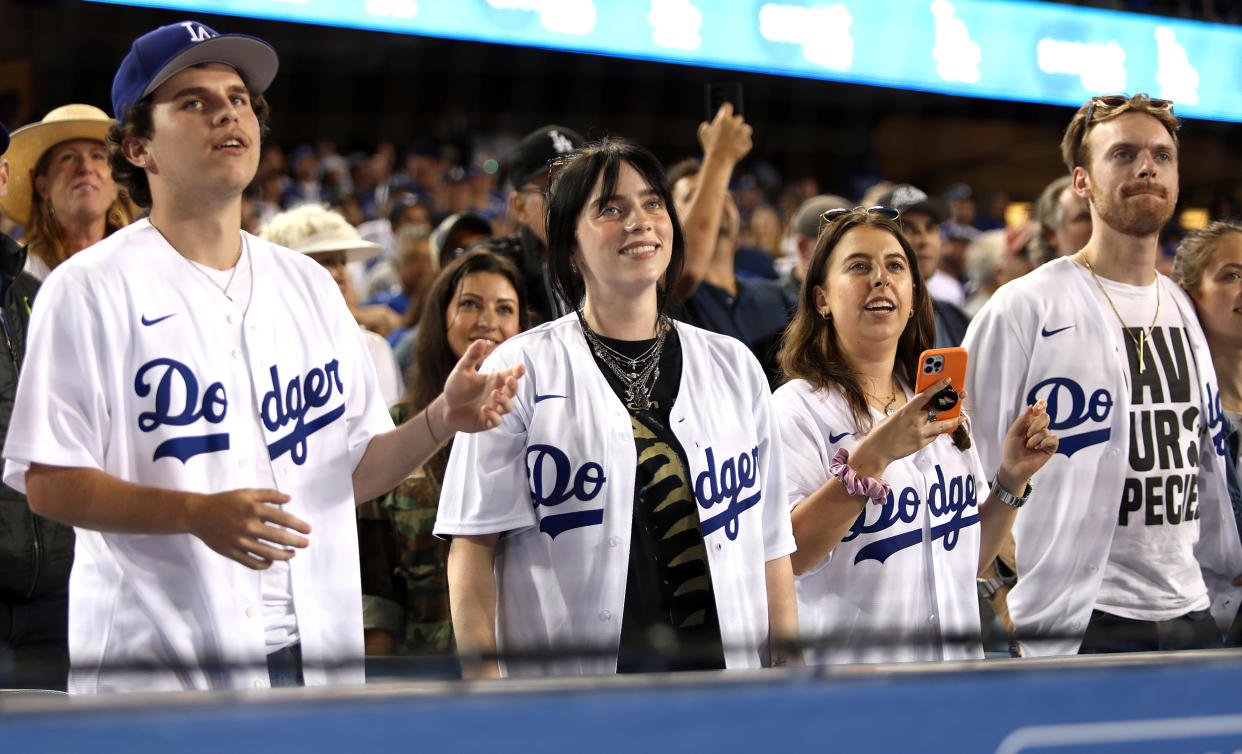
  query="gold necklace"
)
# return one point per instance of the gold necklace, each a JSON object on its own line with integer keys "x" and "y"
{"x": 888, "y": 405}
{"x": 1144, "y": 336}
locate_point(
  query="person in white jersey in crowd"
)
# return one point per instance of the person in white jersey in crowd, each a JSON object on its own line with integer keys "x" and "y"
{"x": 892, "y": 511}
{"x": 633, "y": 501}
{"x": 200, "y": 405}
{"x": 1136, "y": 547}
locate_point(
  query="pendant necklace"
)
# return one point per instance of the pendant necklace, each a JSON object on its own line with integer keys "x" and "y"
{"x": 637, "y": 375}
{"x": 1144, "y": 336}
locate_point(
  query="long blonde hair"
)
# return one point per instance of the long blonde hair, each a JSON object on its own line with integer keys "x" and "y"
{"x": 44, "y": 235}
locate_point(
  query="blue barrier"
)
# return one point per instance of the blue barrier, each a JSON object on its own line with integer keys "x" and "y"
{"x": 1175, "y": 702}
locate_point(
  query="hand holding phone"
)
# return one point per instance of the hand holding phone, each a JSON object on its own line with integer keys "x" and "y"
{"x": 725, "y": 134}
{"x": 721, "y": 92}
{"x": 936, "y": 364}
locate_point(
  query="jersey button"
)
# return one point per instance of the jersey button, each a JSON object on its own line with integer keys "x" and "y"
{"x": 237, "y": 353}
{"x": 241, "y": 463}
{"x": 605, "y": 615}
{"x": 251, "y": 611}
{"x": 233, "y": 318}
{"x": 614, "y": 541}
{"x": 258, "y": 684}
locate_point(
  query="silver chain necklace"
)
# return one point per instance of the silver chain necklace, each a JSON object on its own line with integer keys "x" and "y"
{"x": 223, "y": 288}
{"x": 638, "y": 376}
{"x": 632, "y": 364}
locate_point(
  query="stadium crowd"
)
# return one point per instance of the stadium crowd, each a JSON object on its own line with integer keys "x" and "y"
{"x": 596, "y": 414}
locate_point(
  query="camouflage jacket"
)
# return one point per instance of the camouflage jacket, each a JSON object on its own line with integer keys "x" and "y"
{"x": 404, "y": 567}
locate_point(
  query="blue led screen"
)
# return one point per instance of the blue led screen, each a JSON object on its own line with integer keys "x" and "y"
{"x": 997, "y": 49}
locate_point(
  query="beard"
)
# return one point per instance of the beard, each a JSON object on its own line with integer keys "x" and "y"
{"x": 1126, "y": 215}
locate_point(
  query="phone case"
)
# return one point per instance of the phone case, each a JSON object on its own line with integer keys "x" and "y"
{"x": 719, "y": 93}
{"x": 934, "y": 365}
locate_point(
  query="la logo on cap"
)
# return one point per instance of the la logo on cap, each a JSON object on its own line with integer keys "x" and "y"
{"x": 905, "y": 194}
{"x": 560, "y": 142}
{"x": 198, "y": 32}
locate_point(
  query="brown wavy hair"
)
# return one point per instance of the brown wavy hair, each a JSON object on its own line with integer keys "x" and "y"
{"x": 809, "y": 348}
{"x": 433, "y": 359}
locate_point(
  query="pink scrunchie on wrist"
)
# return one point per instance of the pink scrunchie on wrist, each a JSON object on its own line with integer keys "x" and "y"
{"x": 876, "y": 489}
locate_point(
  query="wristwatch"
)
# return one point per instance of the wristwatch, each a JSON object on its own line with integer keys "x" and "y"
{"x": 1007, "y": 497}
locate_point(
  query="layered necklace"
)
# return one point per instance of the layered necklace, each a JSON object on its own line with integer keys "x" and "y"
{"x": 637, "y": 374}
{"x": 891, "y": 400}
{"x": 1144, "y": 336}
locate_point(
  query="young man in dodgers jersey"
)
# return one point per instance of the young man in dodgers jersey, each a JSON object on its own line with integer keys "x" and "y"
{"x": 1129, "y": 542}
{"x": 200, "y": 404}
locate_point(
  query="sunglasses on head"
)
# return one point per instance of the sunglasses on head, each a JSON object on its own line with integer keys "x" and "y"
{"x": 837, "y": 212}
{"x": 1112, "y": 101}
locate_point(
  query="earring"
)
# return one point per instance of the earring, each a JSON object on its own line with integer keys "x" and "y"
{"x": 826, "y": 315}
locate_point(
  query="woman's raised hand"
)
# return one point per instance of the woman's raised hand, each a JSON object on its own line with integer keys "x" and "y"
{"x": 1029, "y": 444}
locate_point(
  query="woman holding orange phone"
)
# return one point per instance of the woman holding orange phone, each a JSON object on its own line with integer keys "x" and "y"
{"x": 893, "y": 513}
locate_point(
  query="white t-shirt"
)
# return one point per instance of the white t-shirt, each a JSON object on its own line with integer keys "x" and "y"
{"x": 1152, "y": 573}
{"x": 391, "y": 385}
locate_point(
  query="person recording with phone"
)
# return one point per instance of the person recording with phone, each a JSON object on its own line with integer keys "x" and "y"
{"x": 891, "y": 507}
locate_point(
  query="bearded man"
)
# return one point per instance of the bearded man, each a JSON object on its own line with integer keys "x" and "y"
{"x": 1130, "y": 544}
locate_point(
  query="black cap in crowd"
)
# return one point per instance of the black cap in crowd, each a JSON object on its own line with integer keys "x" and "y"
{"x": 905, "y": 198}
{"x": 531, "y": 156}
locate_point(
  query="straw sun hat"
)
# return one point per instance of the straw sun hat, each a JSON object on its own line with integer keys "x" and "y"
{"x": 314, "y": 229}
{"x": 29, "y": 142}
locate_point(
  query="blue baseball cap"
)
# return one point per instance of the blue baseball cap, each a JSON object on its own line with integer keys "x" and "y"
{"x": 158, "y": 55}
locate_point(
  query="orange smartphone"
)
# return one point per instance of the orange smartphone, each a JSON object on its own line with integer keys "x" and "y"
{"x": 934, "y": 365}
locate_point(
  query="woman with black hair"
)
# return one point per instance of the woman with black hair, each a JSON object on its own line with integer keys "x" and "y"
{"x": 479, "y": 296}
{"x": 890, "y": 506}
{"x": 634, "y": 500}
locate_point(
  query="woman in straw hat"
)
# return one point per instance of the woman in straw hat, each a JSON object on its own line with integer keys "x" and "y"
{"x": 61, "y": 188}
{"x": 328, "y": 238}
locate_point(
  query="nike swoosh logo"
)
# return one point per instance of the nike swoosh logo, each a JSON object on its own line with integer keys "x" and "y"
{"x": 149, "y": 322}
{"x": 545, "y": 397}
{"x": 836, "y": 438}
{"x": 1046, "y": 332}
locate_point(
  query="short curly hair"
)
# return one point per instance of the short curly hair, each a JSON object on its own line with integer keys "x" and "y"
{"x": 138, "y": 123}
